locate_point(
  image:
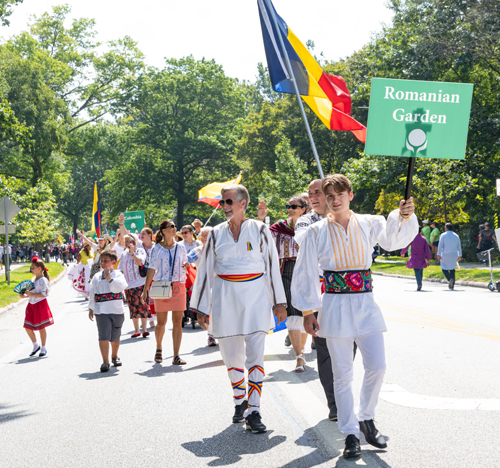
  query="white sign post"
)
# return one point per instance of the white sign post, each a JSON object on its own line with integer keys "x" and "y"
{"x": 498, "y": 187}
{"x": 8, "y": 209}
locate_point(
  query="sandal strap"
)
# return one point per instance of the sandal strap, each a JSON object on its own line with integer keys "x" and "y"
{"x": 301, "y": 356}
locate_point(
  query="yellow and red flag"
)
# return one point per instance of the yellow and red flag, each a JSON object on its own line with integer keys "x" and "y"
{"x": 210, "y": 194}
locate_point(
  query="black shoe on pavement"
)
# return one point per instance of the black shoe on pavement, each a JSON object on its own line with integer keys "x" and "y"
{"x": 451, "y": 284}
{"x": 105, "y": 367}
{"x": 254, "y": 423}
{"x": 239, "y": 411}
{"x": 372, "y": 434}
{"x": 419, "y": 288}
{"x": 116, "y": 361}
{"x": 352, "y": 447}
{"x": 35, "y": 351}
{"x": 332, "y": 415}
{"x": 287, "y": 341}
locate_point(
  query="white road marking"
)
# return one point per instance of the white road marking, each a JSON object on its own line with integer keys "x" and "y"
{"x": 399, "y": 396}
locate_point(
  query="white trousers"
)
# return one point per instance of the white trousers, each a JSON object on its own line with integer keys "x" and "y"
{"x": 373, "y": 353}
{"x": 238, "y": 353}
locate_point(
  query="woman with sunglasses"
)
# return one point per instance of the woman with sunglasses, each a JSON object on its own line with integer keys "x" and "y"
{"x": 189, "y": 239}
{"x": 166, "y": 263}
{"x": 283, "y": 234}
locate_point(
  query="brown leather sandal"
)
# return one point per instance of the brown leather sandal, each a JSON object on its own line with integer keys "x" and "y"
{"x": 178, "y": 361}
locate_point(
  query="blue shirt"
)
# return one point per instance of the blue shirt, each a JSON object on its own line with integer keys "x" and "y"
{"x": 449, "y": 249}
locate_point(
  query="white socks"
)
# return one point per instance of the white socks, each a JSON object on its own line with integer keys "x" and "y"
{"x": 35, "y": 345}
{"x": 43, "y": 349}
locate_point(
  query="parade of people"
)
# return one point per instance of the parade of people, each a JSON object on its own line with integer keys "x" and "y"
{"x": 281, "y": 229}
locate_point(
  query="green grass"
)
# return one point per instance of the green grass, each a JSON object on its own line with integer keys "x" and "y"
{"x": 399, "y": 268}
{"x": 7, "y": 294}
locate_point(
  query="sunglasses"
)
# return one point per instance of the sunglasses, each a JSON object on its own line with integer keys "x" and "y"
{"x": 169, "y": 226}
{"x": 185, "y": 232}
{"x": 228, "y": 202}
{"x": 293, "y": 207}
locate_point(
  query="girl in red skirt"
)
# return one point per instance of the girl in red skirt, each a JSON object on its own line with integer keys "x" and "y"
{"x": 38, "y": 314}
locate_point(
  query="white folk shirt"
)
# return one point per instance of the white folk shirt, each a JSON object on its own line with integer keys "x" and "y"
{"x": 327, "y": 243}
{"x": 191, "y": 246}
{"x": 100, "y": 285}
{"x": 161, "y": 259}
{"x": 238, "y": 308}
{"x": 42, "y": 286}
{"x": 131, "y": 270}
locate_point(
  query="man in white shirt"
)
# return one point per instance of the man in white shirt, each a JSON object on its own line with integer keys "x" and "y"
{"x": 238, "y": 287}
{"x": 342, "y": 244}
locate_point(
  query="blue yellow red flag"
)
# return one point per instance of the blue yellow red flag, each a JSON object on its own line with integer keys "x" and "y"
{"x": 326, "y": 95}
{"x": 210, "y": 194}
{"x": 96, "y": 216}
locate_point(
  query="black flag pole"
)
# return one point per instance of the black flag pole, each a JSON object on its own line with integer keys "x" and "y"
{"x": 409, "y": 177}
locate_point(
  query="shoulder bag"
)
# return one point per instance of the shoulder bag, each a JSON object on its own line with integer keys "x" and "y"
{"x": 163, "y": 289}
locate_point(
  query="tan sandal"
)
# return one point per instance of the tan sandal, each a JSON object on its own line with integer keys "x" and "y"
{"x": 302, "y": 367}
{"x": 178, "y": 361}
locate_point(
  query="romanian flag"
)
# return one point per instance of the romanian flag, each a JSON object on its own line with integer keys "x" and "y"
{"x": 96, "y": 216}
{"x": 211, "y": 193}
{"x": 327, "y": 95}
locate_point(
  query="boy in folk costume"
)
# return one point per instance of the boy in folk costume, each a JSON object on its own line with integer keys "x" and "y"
{"x": 237, "y": 287}
{"x": 342, "y": 244}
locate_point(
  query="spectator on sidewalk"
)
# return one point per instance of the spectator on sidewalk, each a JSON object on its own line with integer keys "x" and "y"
{"x": 197, "y": 224}
{"x": 486, "y": 238}
{"x": 426, "y": 231}
{"x": 435, "y": 239}
{"x": 449, "y": 253}
{"x": 420, "y": 255}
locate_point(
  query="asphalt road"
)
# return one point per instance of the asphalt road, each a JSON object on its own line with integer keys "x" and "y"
{"x": 439, "y": 406}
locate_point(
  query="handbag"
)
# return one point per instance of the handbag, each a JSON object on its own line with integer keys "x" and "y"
{"x": 163, "y": 289}
{"x": 143, "y": 269}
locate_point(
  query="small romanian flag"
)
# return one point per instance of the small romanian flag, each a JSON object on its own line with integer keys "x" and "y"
{"x": 327, "y": 95}
{"x": 96, "y": 215}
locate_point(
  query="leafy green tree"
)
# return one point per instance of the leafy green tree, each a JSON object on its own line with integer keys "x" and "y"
{"x": 6, "y": 10}
{"x": 289, "y": 179}
{"x": 187, "y": 119}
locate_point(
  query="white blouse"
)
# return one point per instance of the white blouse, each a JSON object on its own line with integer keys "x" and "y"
{"x": 42, "y": 286}
{"x": 131, "y": 270}
{"x": 161, "y": 262}
{"x": 328, "y": 244}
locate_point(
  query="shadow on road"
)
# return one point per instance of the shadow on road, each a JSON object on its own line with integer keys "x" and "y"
{"x": 158, "y": 370}
{"x": 27, "y": 360}
{"x": 292, "y": 377}
{"x": 233, "y": 442}
{"x": 99, "y": 375}
{"x": 6, "y": 417}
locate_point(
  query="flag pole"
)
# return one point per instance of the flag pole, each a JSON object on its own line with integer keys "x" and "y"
{"x": 292, "y": 79}
{"x": 213, "y": 212}
{"x": 409, "y": 178}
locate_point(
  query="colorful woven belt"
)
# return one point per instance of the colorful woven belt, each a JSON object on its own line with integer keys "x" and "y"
{"x": 348, "y": 282}
{"x": 241, "y": 278}
{"x": 108, "y": 297}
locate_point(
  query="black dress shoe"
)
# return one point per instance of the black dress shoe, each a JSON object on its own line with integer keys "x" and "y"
{"x": 105, "y": 367}
{"x": 372, "y": 434}
{"x": 254, "y": 423}
{"x": 36, "y": 351}
{"x": 239, "y": 411}
{"x": 352, "y": 447}
{"x": 332, "y": 415}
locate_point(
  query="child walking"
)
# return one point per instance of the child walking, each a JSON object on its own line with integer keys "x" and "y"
{"x": 38, "y": 314}
{"x": 106, "y": 305}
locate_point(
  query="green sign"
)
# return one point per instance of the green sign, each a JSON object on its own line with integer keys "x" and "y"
{"x": 427, "y": 119}
{"x": 134, "y": 221}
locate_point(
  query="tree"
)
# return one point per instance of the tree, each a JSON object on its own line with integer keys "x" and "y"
{"x": 6, "y": 10}
{"x": 290, "y": 179}
{"x": 187, "y": 117}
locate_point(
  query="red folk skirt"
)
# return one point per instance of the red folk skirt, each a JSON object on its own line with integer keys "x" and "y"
{"x": 38, "y": 316}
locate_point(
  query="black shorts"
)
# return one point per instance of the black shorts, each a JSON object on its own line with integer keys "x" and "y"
{"x": 109, "y": 326}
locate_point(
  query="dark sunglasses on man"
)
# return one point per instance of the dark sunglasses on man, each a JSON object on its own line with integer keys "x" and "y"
{"x": 293, "y": 207}
{"x": 228, "y": 202}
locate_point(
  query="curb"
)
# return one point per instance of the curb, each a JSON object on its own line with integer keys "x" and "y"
{"x": 24, "y": 300}
{"x": 474, "y": 284}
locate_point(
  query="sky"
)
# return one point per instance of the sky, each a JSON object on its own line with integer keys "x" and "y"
{"x": 225, "y": 30}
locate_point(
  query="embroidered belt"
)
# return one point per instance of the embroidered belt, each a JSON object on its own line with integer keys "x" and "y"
{"x": 348, "y": 282}
{"x": 241, "y": 278}
{"x": 108, "y": 297}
